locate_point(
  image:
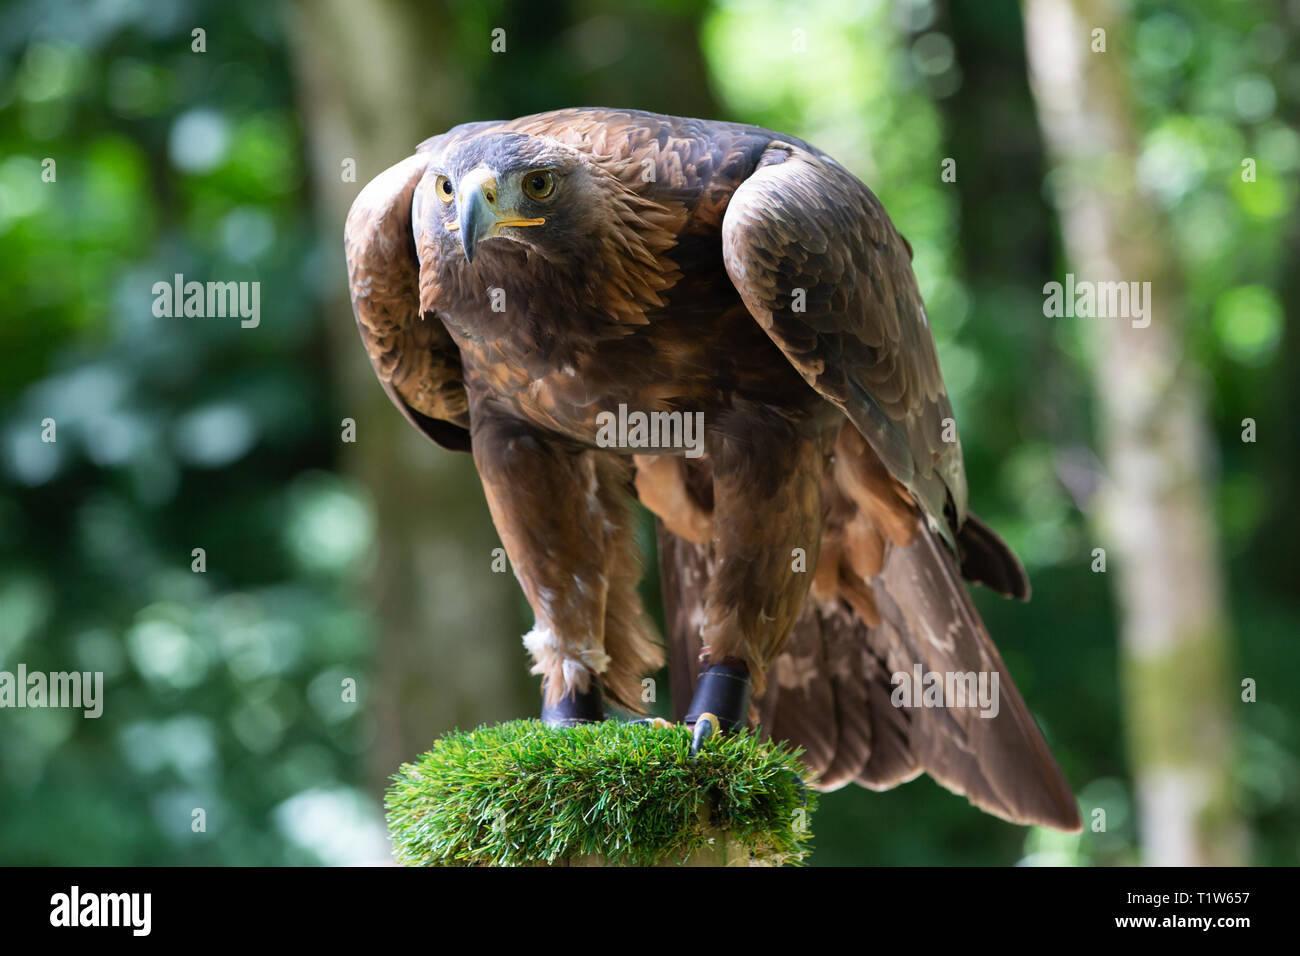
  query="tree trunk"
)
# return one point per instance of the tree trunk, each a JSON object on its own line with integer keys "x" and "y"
{"x": 1155, "y": 515}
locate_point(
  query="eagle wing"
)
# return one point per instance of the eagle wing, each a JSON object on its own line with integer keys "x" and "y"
{"x": 413, "y": 355}
{"x": 823, "y": 271}
{"x": 820, "y": 266}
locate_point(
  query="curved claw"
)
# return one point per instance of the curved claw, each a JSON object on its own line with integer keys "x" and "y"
{"x": 706, "y": 725}
{"x": 658, "y": 723}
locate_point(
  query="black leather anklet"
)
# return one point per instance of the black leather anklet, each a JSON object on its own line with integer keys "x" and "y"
{"x": 722, "y": 690}
{"x": 575, "y": 708}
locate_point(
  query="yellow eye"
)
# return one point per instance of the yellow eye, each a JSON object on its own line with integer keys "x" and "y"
{"x": 539, "y": 184}
{"x": 444, "y": 189}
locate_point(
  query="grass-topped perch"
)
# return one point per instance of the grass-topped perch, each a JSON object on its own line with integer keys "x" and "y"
{"x": 524, "y": 794}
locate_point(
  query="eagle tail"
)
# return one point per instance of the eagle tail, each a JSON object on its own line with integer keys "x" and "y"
{"x": 832, "y": 690}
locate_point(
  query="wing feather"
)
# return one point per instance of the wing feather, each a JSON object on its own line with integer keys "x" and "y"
{"x": 413, "y": 355}
{"x": 823, "y": 271}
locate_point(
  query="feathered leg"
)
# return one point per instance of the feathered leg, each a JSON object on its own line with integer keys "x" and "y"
{"x": 767, "y": 517}
{"x": 563, "y": 514}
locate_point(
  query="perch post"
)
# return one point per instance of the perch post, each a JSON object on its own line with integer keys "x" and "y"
{"x": 607, "y": 794}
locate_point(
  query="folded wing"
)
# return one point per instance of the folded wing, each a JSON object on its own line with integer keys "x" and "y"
{"x": 414, "y": 357}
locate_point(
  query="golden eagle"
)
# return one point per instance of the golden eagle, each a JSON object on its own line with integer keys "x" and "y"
{"x": 721, "y": 321}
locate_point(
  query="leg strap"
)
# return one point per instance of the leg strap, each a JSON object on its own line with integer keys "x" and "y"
{"x": 576, "y": 708}
{"x": 723, "y": 690}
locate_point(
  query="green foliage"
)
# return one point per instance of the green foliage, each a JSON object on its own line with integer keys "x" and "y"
{"x": 524, "y": 793}
{"x": 223, "y": 689}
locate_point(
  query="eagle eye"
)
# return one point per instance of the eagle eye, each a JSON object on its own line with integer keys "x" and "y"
{"x": 444, "y": 189}
{"x": 539, "y": 184}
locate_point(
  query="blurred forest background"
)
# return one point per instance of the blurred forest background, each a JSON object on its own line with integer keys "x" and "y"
{"x": 329, "y": 560}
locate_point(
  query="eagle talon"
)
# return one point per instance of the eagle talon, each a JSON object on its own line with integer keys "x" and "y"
{"x": 706, "y": 726}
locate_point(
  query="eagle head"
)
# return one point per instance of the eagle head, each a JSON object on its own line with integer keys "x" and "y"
{"x": 518, "y": 209}
{"x": 516, "y": 188}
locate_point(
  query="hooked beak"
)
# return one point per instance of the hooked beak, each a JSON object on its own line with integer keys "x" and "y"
{"x": 480, "y": 217}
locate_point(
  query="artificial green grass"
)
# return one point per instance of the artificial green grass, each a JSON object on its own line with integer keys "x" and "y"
{"x": 523, "y": 793}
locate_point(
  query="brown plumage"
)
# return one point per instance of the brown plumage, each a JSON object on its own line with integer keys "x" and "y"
{"x": 516, "y": 283}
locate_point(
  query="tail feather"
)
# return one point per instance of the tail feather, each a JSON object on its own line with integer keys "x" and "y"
{"x": 1001, "y": 763}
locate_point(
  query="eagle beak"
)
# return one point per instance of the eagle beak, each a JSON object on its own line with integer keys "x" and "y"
{"x": 480, "y": 216}
{"x": 477, "y": 201}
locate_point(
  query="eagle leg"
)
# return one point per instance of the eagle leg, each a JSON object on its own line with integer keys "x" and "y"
{"x": 564, "y": 515}
{"x": 767, "y": 517}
